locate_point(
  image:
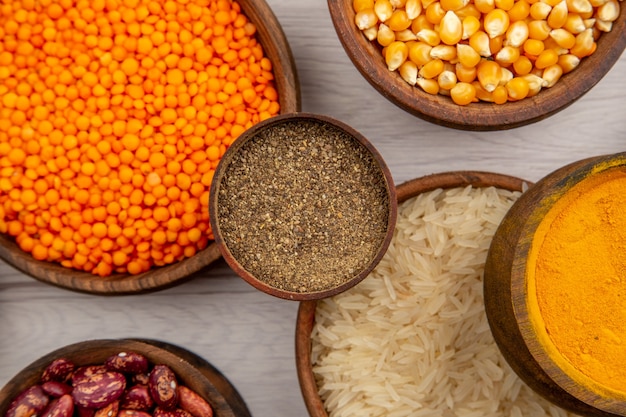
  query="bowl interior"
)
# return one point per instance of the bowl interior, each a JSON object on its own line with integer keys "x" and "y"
{"x": 191, "y": 370}
{"x": 367, "y": 58}
{"x": 306, "y": 311}
{"x": 383, "y": 180}
{"x": 276, "y": 48}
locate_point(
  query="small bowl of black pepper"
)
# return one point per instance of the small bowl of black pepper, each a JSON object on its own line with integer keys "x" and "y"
{"x": 302, "y": 206}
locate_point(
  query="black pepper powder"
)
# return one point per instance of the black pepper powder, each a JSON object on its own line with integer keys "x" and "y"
{"x": 303, "y": 206}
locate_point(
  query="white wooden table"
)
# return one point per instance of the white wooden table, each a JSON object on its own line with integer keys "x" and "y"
{"x": 247, "y": 334}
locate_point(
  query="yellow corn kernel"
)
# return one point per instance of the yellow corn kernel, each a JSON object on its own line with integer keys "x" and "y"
{"x": 563, "y": 38}
{"x": 552, "y": 74}
{"x": 399, "y": 20}
{"x": 507, "y": 55}
{"x": 500, "y": 95}
{"x": 597, "y": 3}
{"x": 552, "y": 44}
{"x": 523, "y": 65}
{"x": 469, "y": 10}
{"x": 533, "y": 47}
{"x": 395, "y": 55}
{"x": 589, "y": 23}
{"x": 453, "y": 5}
{"x": 546, "y": 58}
{"x": 481, "y": 93}
{"x": 516, "y": 34}
{"x": 505, "y": 5}
{"x": 568, "y": 62}
{"x": 496, "y": 22}
{"x": 431, "y": 69}
{"x": 359, "y": 5}
{"x": 465, "y": 74}
{"x": 558, "y": 15}
{"x": 420, "y": 22}
{"x": 467, "y": 55}
{"x": 406, "y": 35}
{"x": 447, "y": 79}
{"x": 480, "y": 42}
{"x": 585, "y": 44}
{"x": 398, "y": 3}
{"x": 535, "y": 84}
{"x": 540, "y": 10}
{"x": 429, "y": 36}
{"x": 495, "y": 44}
{"x": 450, "y": 29}
{"x": 517, "y": 88}
{"x": 371, "y": 33}
{"x": 551, "y": 3}
{"x": 413, "y": 8}
{"x": 463, "y": 93}
{"x": 428, "y": 85}
{"x": 538, "y": 29}
{"x": 408, "y": 72}
{"x": 608, "y": 12}
{"x": 519, "y": 11}
{"x": 419, "y": 53}
{"x": 579, "y": 6}
{"x": 365, "y": 19}
{"x": 385, "y": 36}
{"x": 603, "y": 26}
{"x": 434, "y": 13}
{"x": 471, "y": 25}
{"x": 574, "y": 23}
{"x": 506, "y": 76}
{"x": 444, "y": 52}
{"x": 383, "y": 10}
{"x": 426, "y": 3}
{"x": 485, "y": 6}
{"x": 489, "y": 74}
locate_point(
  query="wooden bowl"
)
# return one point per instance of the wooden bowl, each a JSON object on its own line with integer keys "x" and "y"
{"x": 306, "y": 310}
{"x": 276, "y": 48}
{"x": 258, "y": 136}
{"x": 506, "y": 292}
{"x": 190, "y": 369}
{"x": 367, "y": 58}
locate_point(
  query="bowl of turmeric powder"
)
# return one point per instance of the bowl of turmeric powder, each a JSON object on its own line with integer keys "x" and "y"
{"x": 554, "y": 286}
{"x": 114, "y": 117}
{"x": 480, "y": 64}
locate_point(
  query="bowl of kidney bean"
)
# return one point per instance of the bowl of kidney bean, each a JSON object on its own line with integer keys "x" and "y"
{"x": 120, "y": 378}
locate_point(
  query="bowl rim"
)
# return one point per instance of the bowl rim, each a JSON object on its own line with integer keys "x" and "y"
{"x": 196, "y": 371}
{"x": 480, "y": 116}
{"x": 540, "y": 200}
{"x": 274, "y": 41}
{"x": 305, "y": 319}
{"x": 250, "y": 134}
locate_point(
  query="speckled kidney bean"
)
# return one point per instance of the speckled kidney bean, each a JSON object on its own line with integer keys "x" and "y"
{"x": 133, "y": 413}
{"x": 58, "y": 370}
{"x": 109, "y": 410}
{"x": 56, "y": 389}
{"x": 163, "y": 387}
{"x": 137, "y": 397}
{"x": 193, "y": 403}
{"x": 127, "y": 362}
{"x": 60, "y": 407}
{"x": 177, "y": 412}
{"x": 99, "y": 390}
{"x": 85, "y": 372}
{"x": 29, "y": 403}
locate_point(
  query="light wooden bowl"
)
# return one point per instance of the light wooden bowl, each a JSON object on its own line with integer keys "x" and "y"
{"x": 270, "y": 124}
{"x": 367, "y": 58}
{"x": 306, "y": 311}
{"x": 506, "y": 293}
{"x": 190, "y": 369}
{"x": 276, "y": 47}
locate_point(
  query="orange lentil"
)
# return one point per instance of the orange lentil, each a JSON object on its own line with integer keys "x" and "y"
{"x": 114, "y": 119}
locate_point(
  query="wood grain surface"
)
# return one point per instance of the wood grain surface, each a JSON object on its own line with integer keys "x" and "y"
{"x": 249, "y": 335}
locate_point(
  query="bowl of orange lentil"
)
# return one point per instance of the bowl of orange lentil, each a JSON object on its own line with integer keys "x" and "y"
{"x": 481, "y": 64}
{"x": 114, "y": 115}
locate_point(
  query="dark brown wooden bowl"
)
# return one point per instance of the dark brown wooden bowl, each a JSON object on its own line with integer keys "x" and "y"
{"x": 367, "y": 58}
{"x": 277, "y": 122}
{"x": 506, "y": 293}
{"x": 306, "y": 310}
{"x": 190, "y": 369}
{"x": 276, "y": 47}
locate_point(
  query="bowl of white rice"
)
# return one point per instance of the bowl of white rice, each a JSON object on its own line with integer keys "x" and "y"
{"x": 412, "y": 339}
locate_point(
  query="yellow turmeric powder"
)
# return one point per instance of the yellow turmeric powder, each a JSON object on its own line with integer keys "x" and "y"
{"x": 576, "y": 277}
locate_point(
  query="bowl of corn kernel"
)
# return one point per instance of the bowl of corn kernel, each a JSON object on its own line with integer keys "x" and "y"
{"x": 481, "y": 64}
{"x": 114, "y": 115}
